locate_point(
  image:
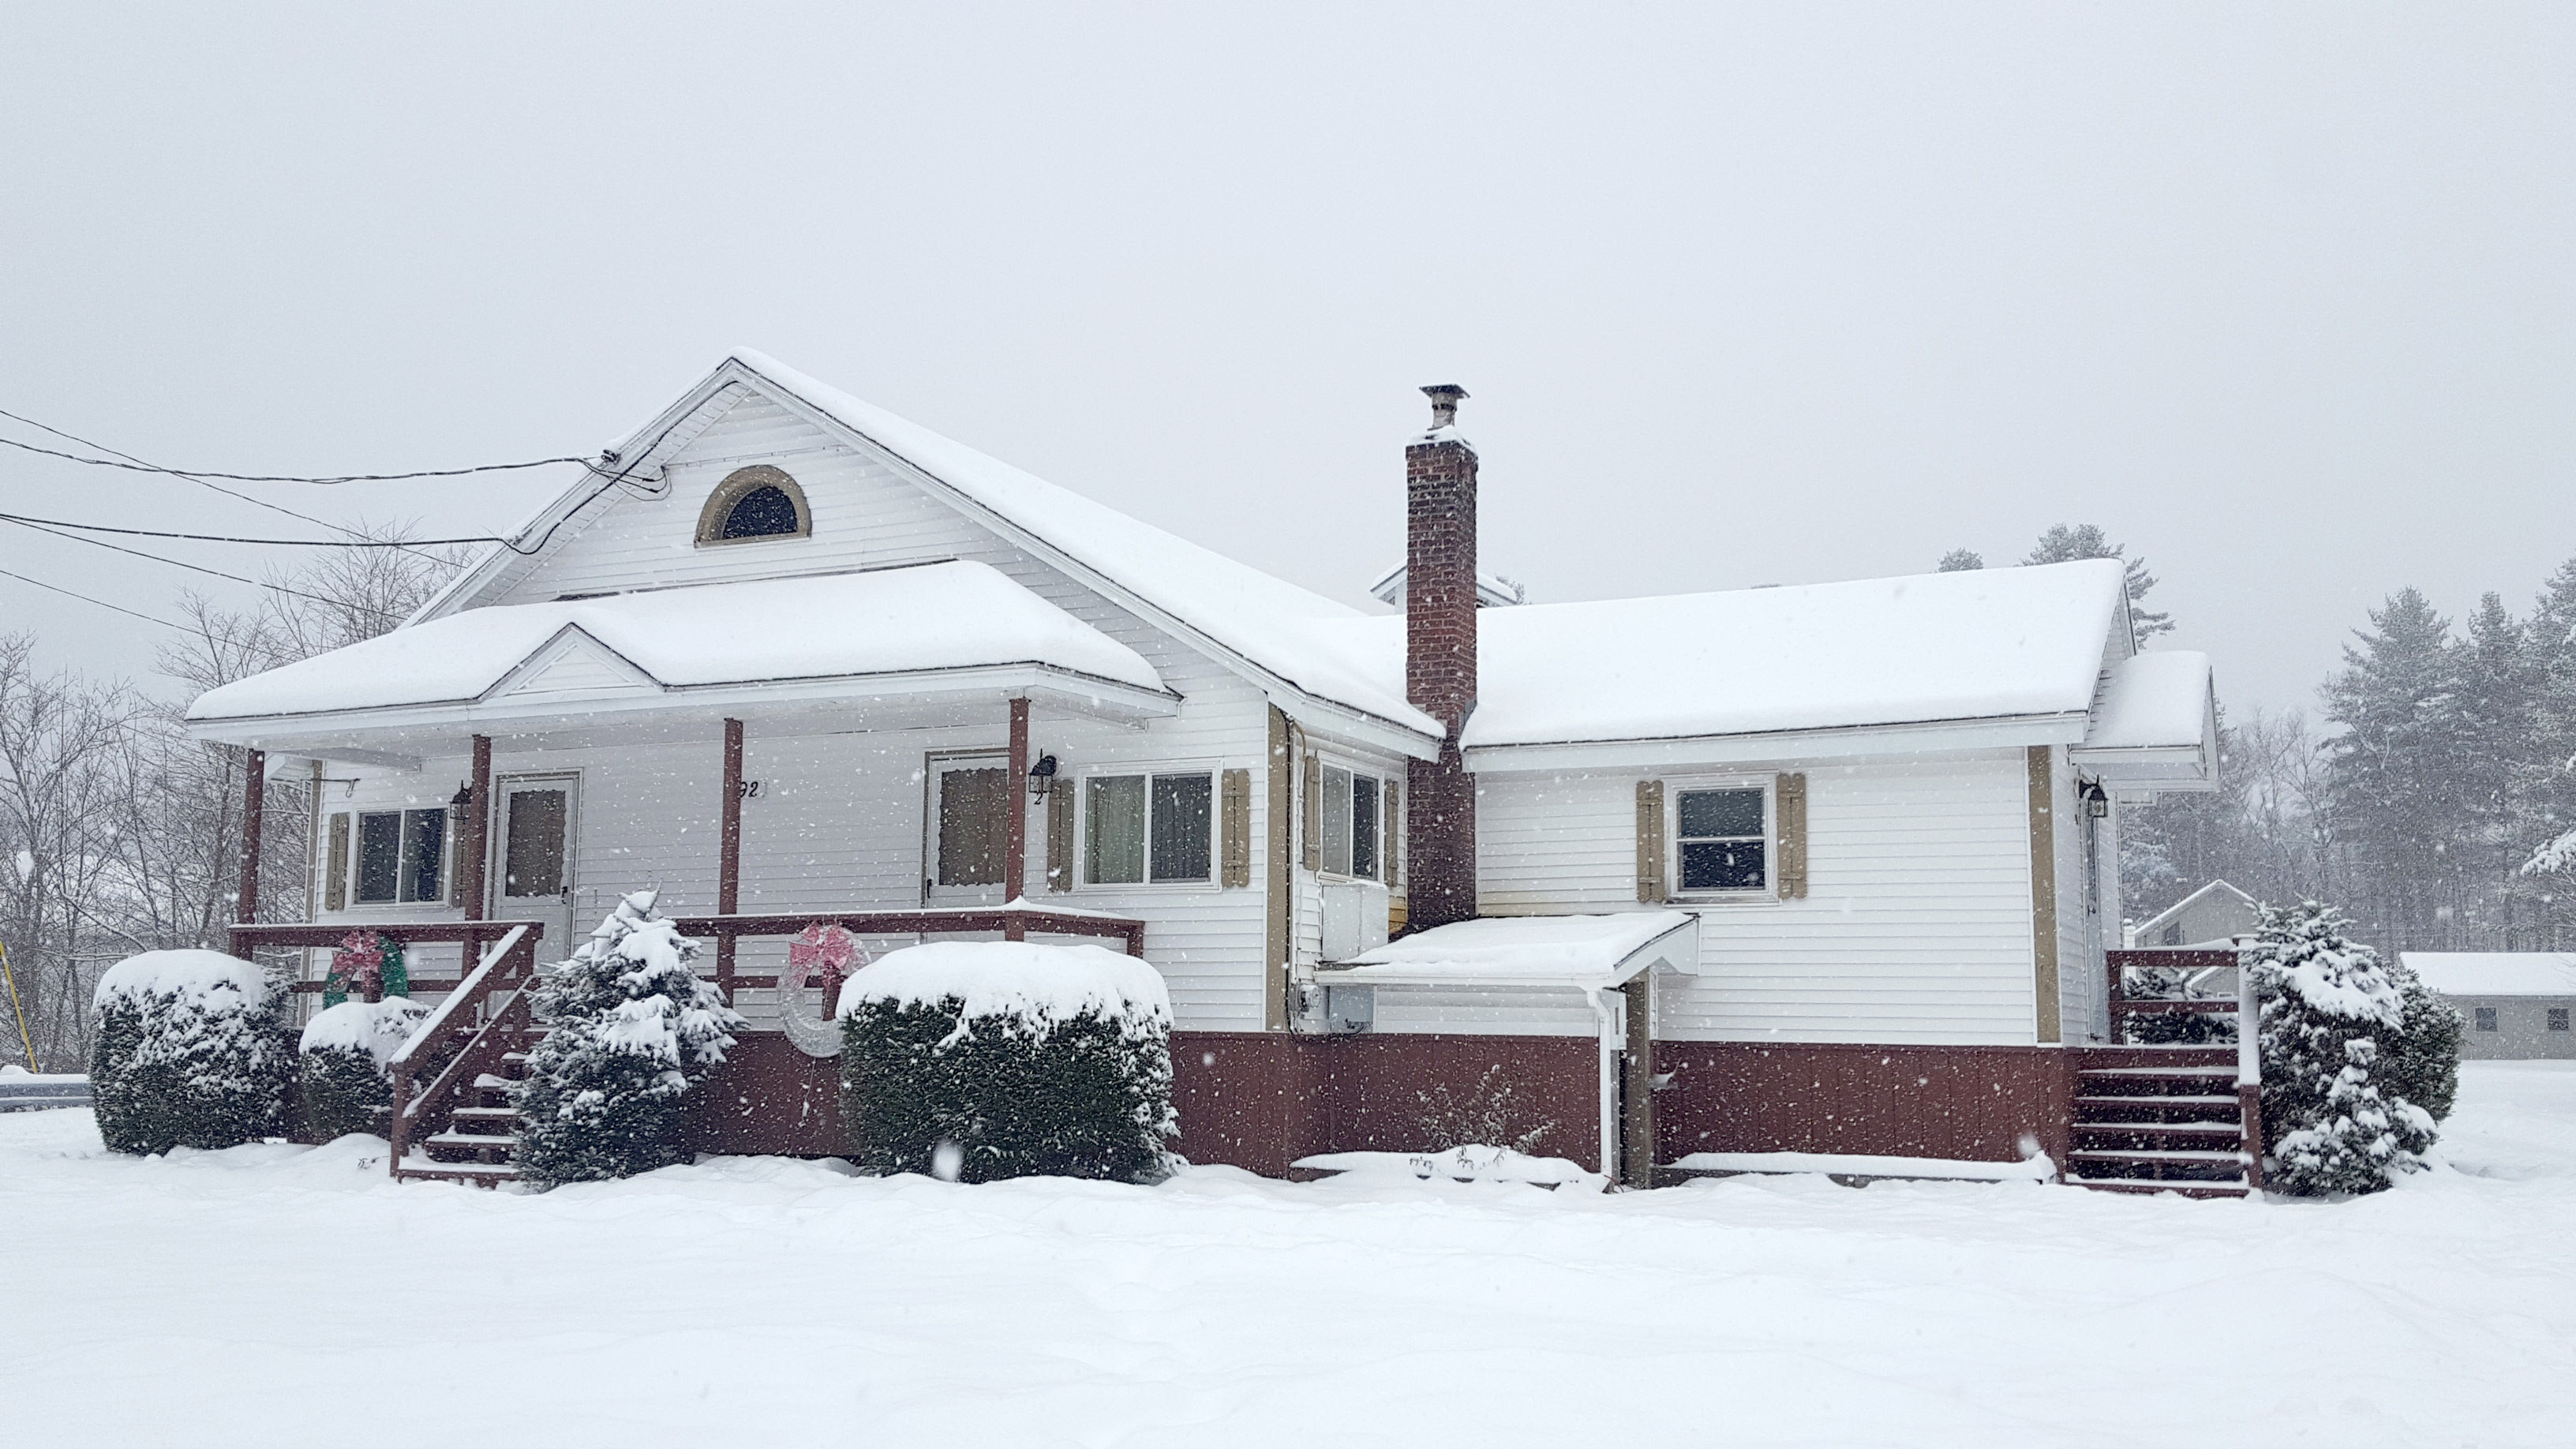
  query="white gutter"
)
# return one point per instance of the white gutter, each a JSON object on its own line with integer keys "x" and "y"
{"x": 1840, "y": 741}
{"x": 1610, "y": 1009}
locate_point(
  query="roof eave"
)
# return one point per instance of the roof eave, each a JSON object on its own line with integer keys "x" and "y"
{"x": 1750, "y": 746}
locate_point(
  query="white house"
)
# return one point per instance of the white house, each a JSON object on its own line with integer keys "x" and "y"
{"x": 2213, "y": 915}
{"x": 2516, "y": 1003}
{"x": 786, "y": 656}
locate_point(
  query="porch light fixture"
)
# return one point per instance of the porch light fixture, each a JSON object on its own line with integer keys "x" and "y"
{"x": 463, "y": 798}
{"x": 1042, "y": 777}
{"x": 2097, "y": 801}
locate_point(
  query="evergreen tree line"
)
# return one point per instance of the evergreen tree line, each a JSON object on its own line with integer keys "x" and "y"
{"x": 2425, "y": 803}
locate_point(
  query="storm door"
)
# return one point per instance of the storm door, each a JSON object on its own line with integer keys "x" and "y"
{"x": 969, "y": 829}
{"x": 536, "y": 834}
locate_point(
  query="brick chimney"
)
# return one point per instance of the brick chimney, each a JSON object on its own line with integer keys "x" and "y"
{"x": 1440, "y": 664}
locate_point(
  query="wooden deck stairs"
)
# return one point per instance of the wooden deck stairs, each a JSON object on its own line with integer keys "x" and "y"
{"x": 2178, "y": 1119}
{"x": 452, "y": 1118}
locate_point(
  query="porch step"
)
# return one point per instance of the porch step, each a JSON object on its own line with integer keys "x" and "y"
{"x": 2179, "y": 1189}
{"x": 481, "y": 1174}
{"x": 506, "y": 1118}
{"x": 2131, "y": 1136}
{"x": 474, "y": 1142}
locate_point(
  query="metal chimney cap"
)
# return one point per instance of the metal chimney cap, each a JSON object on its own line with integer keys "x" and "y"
{"x": 1445, "y": 397}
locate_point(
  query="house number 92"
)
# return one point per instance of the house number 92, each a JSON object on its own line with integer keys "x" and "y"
{"x": 751, "y": 789}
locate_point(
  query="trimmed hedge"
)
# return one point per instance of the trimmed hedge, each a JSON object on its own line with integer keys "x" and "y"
{"x": 1041, "y": 1061}
{"x": 341, "y": 1064}
{"x": 192, "y": 1051}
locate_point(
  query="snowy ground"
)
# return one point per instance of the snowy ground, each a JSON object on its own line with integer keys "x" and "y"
{"x": 272, "y": 1295}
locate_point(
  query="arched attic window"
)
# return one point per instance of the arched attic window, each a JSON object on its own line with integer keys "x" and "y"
{"x": 752, "y": 504}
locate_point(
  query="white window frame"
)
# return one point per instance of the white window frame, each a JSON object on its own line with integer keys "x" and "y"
{"x": 1082, "y": 825}
{"x": 1768, "y": 892}
{"x": 404, "y": 860}
{"x": 1327, "y": 768}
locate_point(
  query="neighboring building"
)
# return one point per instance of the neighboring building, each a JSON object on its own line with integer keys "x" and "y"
{"x": 2213, "y": 915}
{"x": 796, "y": 657}
{"x": 2517, "y": 1002}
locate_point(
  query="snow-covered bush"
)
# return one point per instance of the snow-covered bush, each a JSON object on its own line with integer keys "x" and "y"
{"x": 630, "y": 1029}
{"x": 1492, "y": 1113}
{"x": 341, "y": 1060}
{"x": 191, "y": 1051}
{"x": 2336, "y": 1057}
{"x": 2422, "y": 1058}
{"x": 994, "y": 1059}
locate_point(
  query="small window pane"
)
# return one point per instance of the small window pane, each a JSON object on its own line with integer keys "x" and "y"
{"x": 379, "y": 856}
{"x": 532, "y": 853}
{"x": 424, "y": 848}
{"x": 2486, "y": 1018}
{"x": 1114, "y": 830}
{"x": 1721, "y": 865}
{"x": 1364, "y": 826}
{"x": 1720, "y": 812}
{"x": 1337, "y": 820}
{"x": 764, "y": 512}
{"x": 1181, "y": 826}
{"x": 2558, "y": 1018}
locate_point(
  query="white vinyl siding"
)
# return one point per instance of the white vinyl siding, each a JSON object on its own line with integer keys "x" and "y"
{"x": 1916, "y": 928}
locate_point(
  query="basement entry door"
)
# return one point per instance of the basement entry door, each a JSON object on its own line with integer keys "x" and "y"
{"x": 970, "y": 797}
{"x": 539, "y": 820}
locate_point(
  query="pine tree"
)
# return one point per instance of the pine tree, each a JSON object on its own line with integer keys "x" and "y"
{"x": 2333, "y": 1040}
{"x": 2065, "y": 543}
{"x": 630, "y": 1030}
{"x": 1961, "y": 560}
{"x": 2395, "y": 776}
{"x": 2545, "y": 788}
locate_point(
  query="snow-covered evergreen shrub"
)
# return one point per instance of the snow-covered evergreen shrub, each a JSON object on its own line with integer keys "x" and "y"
{"x": 1491, "y": 1113}
{"x": 191, "y": 1051}
{"x": 341, "y": 1059}
{"x": 2333, "y": 1033}
{"x": 630, "y": 1028}
{"x": 2423, "y": 1056}
{"x": 995, "y": 1059}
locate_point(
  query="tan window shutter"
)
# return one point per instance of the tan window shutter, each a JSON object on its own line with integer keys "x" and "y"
{"x": 1059, "y": 835}
{"x": 1235, "y": 793}
{"x": 335, "y": 874}
{"x": 1314, "y": 812}
{"x": 1650, "y": 841}
{"x": 1790, "y": 800}
{"x": 1390, "y": 851}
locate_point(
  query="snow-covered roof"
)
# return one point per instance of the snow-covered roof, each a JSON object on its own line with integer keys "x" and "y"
{"x": 1263, "y": 620}
{"x": 1493, "y": 591}
{"x": 2153, "y": 701}
{"x": 2220, "y": 889}
{"x": 2495, "y": 973}
{"x": 934, "y": 616}
{"x": 1928, "y": 647}
{"x": 1532, "y": 951}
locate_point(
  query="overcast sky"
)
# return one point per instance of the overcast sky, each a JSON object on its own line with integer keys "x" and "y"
{"x": 2280, "y": 296}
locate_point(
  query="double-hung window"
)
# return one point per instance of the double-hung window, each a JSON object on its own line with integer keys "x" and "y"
{"x": 402, "y": 855}
{"x": 1721, "y": 840}
{"x": 1354, "y": 825}
{"x": 1149, "y": 828}
{"x": 2486, "y": 1018}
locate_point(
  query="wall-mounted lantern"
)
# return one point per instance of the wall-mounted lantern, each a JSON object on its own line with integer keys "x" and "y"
{"x": 1042, "y": 777}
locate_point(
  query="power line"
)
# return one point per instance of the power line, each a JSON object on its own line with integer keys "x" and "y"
{"x": 232, "y": 538}
{"x": 174, "y": 563}
{"x": 133, "y": 464}
{"x": 102, "y": 603}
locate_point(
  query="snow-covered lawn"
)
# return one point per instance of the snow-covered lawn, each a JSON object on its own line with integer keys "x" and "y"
{"x": 276, "y": 1296}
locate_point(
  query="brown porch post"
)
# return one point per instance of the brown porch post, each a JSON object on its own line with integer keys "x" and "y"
{"x": 475, "y": 851}
{"x": 254, "y": 811}
{"x": 1015, "y": 839}
{"x": 729, "y": 854}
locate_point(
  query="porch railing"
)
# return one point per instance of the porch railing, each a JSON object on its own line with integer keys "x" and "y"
{"x": 2190, "y": 967}
{"x": 469, "y": 1014}
{"x": 1014, "y": 922}
{"x": 472, "y": 935}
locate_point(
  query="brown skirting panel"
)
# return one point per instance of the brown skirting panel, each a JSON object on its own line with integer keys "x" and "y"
{"x": 1973, "y": 1103}
{"x": 769, "y": 1098}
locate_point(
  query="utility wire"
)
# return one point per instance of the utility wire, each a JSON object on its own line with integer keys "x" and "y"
{"x": 233, "y": 538}
{"x": 102, "y": 603}
{"x": 133, "y": 464}
{"x": 174, "y": 563}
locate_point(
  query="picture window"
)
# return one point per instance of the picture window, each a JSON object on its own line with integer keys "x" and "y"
{"x": 1141, "y": 829}
{"x": 402, "y": 856}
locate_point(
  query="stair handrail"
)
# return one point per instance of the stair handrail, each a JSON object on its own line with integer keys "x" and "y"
{"x": 473, "y": 991}
{"x": 2249, "y": 1070}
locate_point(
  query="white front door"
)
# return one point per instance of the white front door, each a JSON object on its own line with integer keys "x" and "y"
{"x": 969, "y": 826}
{"x": 533, "y": 857}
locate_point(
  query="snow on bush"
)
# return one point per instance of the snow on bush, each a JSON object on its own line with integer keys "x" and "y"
{"x": 191, "y": 1052}
{"x": 2343, "y": 1041}
{"x": 630, "y": 1029}
{"x": 342, "y": 1057}
{"x": 1490, "y": 1114}
{"x": 991, "y": 1059}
